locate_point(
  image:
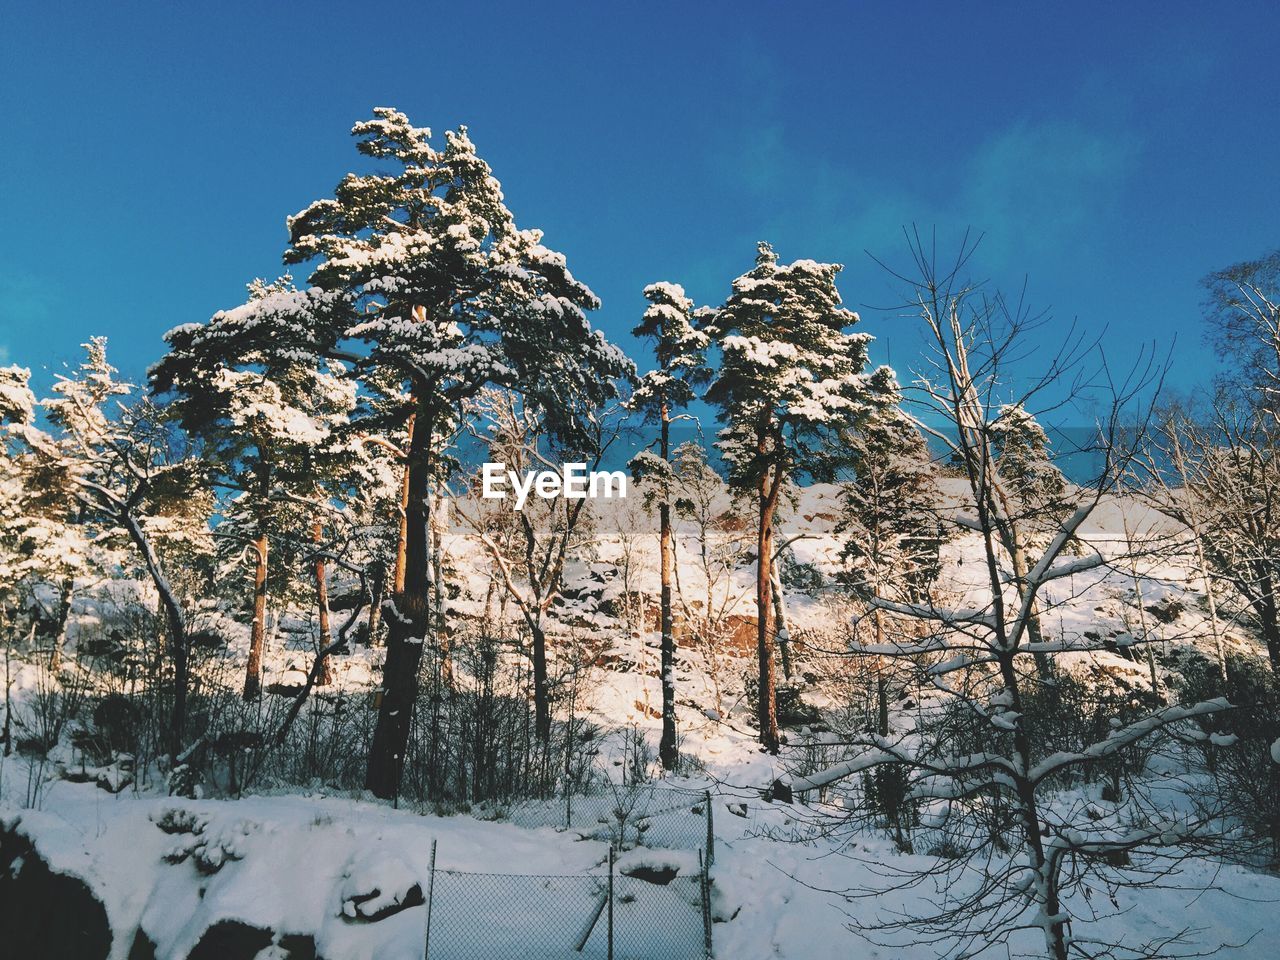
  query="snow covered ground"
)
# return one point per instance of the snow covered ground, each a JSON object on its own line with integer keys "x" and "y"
{"x": 788, "y": 880}
{"x": 322, "y": 867}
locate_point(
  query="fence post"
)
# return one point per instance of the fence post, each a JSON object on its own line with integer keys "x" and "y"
{"x": 704, "y": 888}
{"x": 611, "y": 903}
{"x": 711, "y": 836}
{"x": 431, "y": 893}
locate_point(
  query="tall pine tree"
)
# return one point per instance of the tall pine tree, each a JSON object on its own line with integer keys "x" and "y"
{"x": 892, "y": 522}
{"x": 660, "y": 396}
{"x": 1035, "y": 494}
{"x": 791, "y": 380}
{"x": 119, "y": 459}
{"x": 891, "y": 509}
{"x": 424, "y": 285}
{"x": 1025, "y": 462}
{"x": 268, "y": 421}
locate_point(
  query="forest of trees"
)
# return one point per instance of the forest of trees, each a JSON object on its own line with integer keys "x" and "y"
{"x": 307, "y": 455}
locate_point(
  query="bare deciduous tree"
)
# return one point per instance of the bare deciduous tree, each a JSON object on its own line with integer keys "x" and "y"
{"x": 974, "y": 661}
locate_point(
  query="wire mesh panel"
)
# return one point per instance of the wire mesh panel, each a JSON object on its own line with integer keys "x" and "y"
{"x": 657, "y": 921}
{"x": 503, "y": 917}
{"x": 495, "y": 917}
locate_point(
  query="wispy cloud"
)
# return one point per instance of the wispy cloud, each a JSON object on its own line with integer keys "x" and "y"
{"x": 26, "y": 306}
{"x": 24, "y": 302}
{"x": 1038, "y": 186}
{"x": 1033, "y": 189}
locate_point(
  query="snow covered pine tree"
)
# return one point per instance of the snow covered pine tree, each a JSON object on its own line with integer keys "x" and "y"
{"x": 117, "y": 458}
{"x": 790, "y": 380}
{"x": 891, "y": 517}
{"x": 659, "y": 396}
{"x": 265, "y": 419}
{"x": 1034, "y": 495}
{"x": 426, "y": 289}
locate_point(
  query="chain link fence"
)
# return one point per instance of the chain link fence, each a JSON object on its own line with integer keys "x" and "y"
{"x": 650, "y": 915}
{"x": 653, "y": 904}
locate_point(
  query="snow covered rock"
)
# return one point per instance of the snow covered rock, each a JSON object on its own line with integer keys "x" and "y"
{"x": 378, "y": 886}
{"x": 207, "y": 848}
{"x": 45, "y": 912}
{"x": 778, "y": 792}
{"x": 657, "y": 866}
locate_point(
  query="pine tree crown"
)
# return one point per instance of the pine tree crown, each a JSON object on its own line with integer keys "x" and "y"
{"x": 790, "y": 371}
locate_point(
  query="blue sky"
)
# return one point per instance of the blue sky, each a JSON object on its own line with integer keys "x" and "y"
{"x": 1112, "y": 154}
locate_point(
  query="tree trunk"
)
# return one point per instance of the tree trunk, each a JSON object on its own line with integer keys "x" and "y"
{"x": 60, "y": 624}
{"x": 1142, "y": 612}
{"x": 882, "y": 683}
{"x": 541, "y": 689}
{"x": 7, "y": 733}
{"x": 1269, "y": 619}
{"x": 1044, "y": 667}
{"x": 177, "y": 623}
{"x": 408, "y": 623}
{"x": 1219, "y": 651}
{"x": 766, "y": 695}
{"x": 781, "y": 630}
{"x": 1029, "y": 813}
{"x": 253, "y": 671}
{"x": 668, "y": 751}
{"x": 322, "y": 602}
{"x": 375, "y": 602}
{"x": 440, "y": 625}
{"x": 402, "y": 541}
